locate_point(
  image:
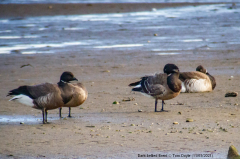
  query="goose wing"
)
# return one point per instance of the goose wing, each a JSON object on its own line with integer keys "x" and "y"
{"x": 154, "y": 85}
{"x": 192, "y": 75}
{"x": 34, "y": 91}
{"x": 42, "y": 90}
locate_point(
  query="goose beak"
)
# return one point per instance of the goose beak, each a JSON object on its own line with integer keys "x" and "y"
{"x": 74, "y": 79}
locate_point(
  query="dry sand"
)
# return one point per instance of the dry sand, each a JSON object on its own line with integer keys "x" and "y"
{"x": 120, "y": 131}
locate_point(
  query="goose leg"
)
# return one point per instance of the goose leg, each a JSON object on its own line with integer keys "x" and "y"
{"x": 156, "y": 101}
{"x": 162, "y": 105}
{"x": 60, "y": 112}
{"x": 162, "y": 110}
{"x": 46, "y": 113}
{"x": 43, "y": 114}
{"x": 69, "y": 114}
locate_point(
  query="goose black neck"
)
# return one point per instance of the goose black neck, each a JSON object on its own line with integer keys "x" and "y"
{"x": 173, "y": 82}
{"x": 62, "y": 83}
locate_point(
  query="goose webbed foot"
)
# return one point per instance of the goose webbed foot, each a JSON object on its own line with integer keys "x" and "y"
{"x": 163, "y": 110}
{"x": 46, "y": 122}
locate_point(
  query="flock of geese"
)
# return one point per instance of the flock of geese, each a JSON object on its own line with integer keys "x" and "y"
{"x": 163, "y": 86}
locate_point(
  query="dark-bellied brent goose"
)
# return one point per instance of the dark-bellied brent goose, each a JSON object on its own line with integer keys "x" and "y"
{"x": 197, "y": 81}
{"x": 163, "y": 86}
{"x": 48, "y": 96}
{"x": 78, "y": 97}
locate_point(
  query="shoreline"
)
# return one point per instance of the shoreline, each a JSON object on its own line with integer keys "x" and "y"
{"x": 99, "y": 128}
{"x": 26, "y": 10}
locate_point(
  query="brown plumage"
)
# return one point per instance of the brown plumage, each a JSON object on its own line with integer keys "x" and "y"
{"x": 45, "y": 96}
{"x": 197, "y": 81}
{"x": 79, "y": 95}
{"x": 163, "y": 86}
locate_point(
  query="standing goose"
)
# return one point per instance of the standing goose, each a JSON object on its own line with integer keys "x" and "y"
{"x": 45, "y": 96}
{"x": 79, "y": 95}
{"x": 163, "y": 86}
{"x": 197, "y": 81}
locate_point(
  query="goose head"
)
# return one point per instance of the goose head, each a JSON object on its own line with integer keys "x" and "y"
{"x": 200, "y": 68}
{"x": 67, "y": 77}
{"x": 170, "y": 68}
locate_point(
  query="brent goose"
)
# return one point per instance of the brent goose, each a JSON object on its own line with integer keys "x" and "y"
{"x": 79, "y": 95}
{"x": 45, "y": 96}
{"x": 197, "y": 81}
{"x": 163, "y": 86}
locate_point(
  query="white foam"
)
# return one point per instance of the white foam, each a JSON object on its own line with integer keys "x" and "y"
{"x": 117, "y": 46}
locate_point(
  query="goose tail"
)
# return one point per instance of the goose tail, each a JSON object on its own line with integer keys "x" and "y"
{"x": 134, "y": 84}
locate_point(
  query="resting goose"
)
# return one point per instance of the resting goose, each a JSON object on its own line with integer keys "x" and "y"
{"x": 197, "y": 81}
{"x": 163, "y": 86}
{"x": 45, "y": 96}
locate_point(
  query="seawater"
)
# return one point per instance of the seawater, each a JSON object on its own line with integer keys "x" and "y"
{"x": 111, "y": 1}
{"x": 168, "y": 31}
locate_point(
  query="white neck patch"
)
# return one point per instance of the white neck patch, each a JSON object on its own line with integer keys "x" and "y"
{"x": 63, "y": 81}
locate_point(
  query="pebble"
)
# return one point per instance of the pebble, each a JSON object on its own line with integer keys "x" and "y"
{"x": 115, "y": 102}
{"x": 180, "y": 113}
{"x": 189, "y": 120}
{"x": 91, "y": 126}
{"x": 139, "y": 110}
{"x": 174, "y": 131}
{"x": 21, "y": 122}
{"x": 175, "y": 123}
{"x": 231, "y": 94}
{"x": 223, "y": 129}
{"x": 132, "y": 125}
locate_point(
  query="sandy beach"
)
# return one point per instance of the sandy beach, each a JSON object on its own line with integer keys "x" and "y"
{"x": 101, "y": 129}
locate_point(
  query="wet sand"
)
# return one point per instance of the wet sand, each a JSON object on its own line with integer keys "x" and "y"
{"x": 26, "y": 10}
{"x": 102, "y": 129}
